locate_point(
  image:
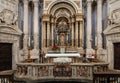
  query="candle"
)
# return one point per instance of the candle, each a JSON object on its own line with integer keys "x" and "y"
{"x": 29, "y": 42}
{"x": 95, "y": 40}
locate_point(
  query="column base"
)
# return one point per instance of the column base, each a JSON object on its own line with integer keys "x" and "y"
{"x": 36, "y": 41}
{"x": 35, "y": 52}
{"x": 89, "y": 51}
{"x": 29, "y": 60}
{"x": 101, "y": 54}
{"x": 90, "y": 54}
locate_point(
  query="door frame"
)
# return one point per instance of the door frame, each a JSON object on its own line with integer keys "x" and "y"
{"x": 114, "y": 53}
{"x": 9, "y": 55}
{"x": 110, "y": 50}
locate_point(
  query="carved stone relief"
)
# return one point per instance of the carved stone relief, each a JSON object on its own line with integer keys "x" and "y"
{"x": 8, "y": 17}
{"x": 78, "y": 3}
{"x": 47, "y": 3}
{"x": 63, "y": 12}
{"x": 114, "y": 18}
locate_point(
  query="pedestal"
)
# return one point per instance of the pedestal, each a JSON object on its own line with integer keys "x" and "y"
{"x": 28, "y": 59}
{"x": 62, "y": 50}
{"x": 95, "y": 56}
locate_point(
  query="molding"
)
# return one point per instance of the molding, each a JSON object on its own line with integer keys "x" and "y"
{"x": 112, "y": 29}
{"x": 63, "y": 1}
{"x": 10, "y": 30}
{"x": 46, "y": 17}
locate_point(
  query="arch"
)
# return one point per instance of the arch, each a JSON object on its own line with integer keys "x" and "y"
{"x": 64, "y": 6}
{"x": 71, "y": 3}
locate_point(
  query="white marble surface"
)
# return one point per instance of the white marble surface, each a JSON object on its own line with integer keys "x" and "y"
{"x": 62, "y": 55}
{"x": 62, "y": 60}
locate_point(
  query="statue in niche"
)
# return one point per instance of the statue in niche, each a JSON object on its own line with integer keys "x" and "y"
{"x": 62, "y": 39}
{"x": 62, "y": 27}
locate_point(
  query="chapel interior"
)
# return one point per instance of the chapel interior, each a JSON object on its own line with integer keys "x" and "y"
{"x": 61, "y": 41}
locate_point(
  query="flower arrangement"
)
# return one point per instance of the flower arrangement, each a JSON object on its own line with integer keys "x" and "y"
{"x": 55, "y": 47}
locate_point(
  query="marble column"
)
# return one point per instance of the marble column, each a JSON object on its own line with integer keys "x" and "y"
{"x": 43, "y": 34}
{"x": 25, "y": 27}
{"x": 89, "y": 24}
{"x": 72, "y": 33}
{"x": 52, "y": 34}
{"x": 48, "y": 34}
{"x": 76, "y": 34}
{"x": 99, "y": 24}
{"x": 89, "y": 28}
{"x": 36, "y": 26}
{"x": 81, "y": 33}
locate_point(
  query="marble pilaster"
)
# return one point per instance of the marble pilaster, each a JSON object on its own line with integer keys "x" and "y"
{"x": 52, "y": 34}
{"x": 76, "y": 34}
{"x": 48, "y": 34}
{"x": 72, "y": 33}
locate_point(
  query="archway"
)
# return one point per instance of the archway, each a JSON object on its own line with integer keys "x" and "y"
{"x": 61, "y": 14}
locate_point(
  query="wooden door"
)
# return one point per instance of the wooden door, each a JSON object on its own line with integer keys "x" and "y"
{"x": 5, "y": 56}
{"x": 117, "y": 56}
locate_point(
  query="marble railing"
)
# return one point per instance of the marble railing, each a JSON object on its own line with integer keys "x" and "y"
{"x": 6, "y": 76}
{"x": 56, "y": 71}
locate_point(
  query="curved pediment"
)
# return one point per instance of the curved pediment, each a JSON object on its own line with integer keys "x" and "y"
{"x": 112, "y": 29}
{"x": 10, "y": 30}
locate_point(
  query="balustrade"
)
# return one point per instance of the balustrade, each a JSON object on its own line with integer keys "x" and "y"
{"x": 6, "y": 76}
{"x": 51, "y": 71}
{"x": 34, "y": 71}
{"x": 109, "y": 76}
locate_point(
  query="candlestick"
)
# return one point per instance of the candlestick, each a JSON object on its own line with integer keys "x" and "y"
{"x": 29, "y": 42}
{"x": 29, "y": 59}
{"x": 95, "y": 56}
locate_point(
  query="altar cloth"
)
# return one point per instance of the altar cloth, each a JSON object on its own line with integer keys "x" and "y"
{"x": 62, "y": 55}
